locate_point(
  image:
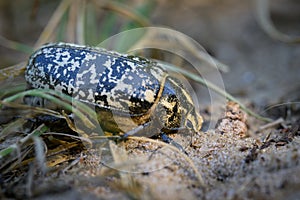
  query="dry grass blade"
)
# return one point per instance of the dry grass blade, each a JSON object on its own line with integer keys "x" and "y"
{"x": 213, "y": 87}
{"x": 12, "y": 71}
{"x": 264, "y": 19}
{"x": 71, "y": 25}
{"x": 32, "y": 109}
{"x": 85, "y": 139}
{"x": 12, "y": 127}
{"x": 75, "y": 26}
{"x": 272, "y": 124}
{"x": 167, "y": 39}
{"x": 81, "y": 110}
{"x": 53, "y": 157}
{"x": 73, "y": 127}
{"x": 40, "y": 151}
{"x": 91, "y": 36}
{"x": 124, "y": 10}
{"x": 119, "y": 153}
{"x": 15, "y": 45}
{"x": 37, "y": 132}
{"x": 80, "y": 25}
{"x": 59, "y": 155}
{"x": 128, "y": 184}
{"x": 120, "y": 162}
{"x": 133, "y": 190}
{"x": 14, "y": 162}
{"x": 12, "y": 90}
{"x": 53, "y": 23}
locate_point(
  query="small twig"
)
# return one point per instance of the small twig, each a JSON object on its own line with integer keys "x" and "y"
{"x": 85, "y": 139}
{"x": 272, "y": 124}
{"x": 73, "y": 163}
{"x": 267, "y": 137}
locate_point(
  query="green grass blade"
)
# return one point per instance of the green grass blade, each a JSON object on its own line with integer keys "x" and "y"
{"x": 213, "y": 87}
{"x": 36, "y": 133}
{"x": 15, "y": 45}
{"x": 81, "y": 110}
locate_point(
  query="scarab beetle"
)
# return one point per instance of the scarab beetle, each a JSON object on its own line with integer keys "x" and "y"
{"x": 130, "y": 94}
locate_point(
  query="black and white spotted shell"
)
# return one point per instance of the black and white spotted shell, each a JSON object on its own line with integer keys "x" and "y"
{"x": 105, "y": 78}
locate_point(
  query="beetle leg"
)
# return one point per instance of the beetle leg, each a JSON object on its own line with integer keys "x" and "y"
{"x": 48, "y": 118}
{"x": 56, "y": 124}
{"x": 169, "y": 140}
{"x": 141, "y": 130}
{"x": 34, "y": 101}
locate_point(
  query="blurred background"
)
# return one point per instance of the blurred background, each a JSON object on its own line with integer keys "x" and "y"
{"x": 263, "y": 69}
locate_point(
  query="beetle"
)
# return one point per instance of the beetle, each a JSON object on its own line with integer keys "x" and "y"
{"x": 131, "y": 95}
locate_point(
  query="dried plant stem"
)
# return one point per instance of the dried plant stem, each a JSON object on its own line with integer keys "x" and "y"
{"x": 12, "y": 71}
{"x": 37, "y": 132}
{"x": 81, "y": 110}
{"x": 53, "y": 22}
{"x": 214, "y": 88}
{"x": 80, "y": 24}
{"x": 15, "y": 45}
{"x": 123, "y": 10}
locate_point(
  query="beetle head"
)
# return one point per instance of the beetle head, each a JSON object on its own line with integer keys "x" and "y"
{"x": 179, "y": 107}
